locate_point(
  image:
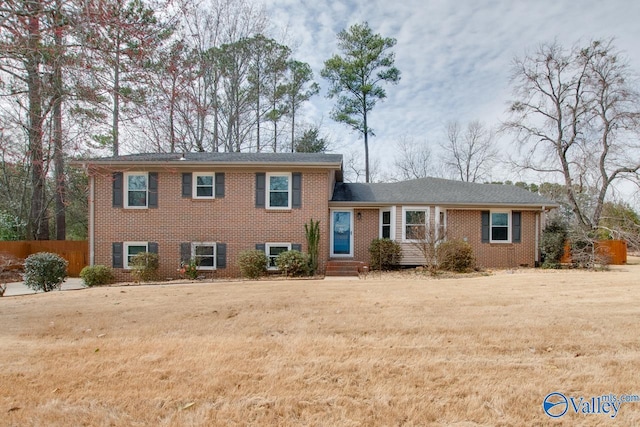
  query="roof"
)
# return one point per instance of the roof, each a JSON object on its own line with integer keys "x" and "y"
{"x": 436, "y": 191}
{"x": 233, "y": 159}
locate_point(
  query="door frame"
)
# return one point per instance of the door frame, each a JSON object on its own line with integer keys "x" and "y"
{"x": 331, "y": 232}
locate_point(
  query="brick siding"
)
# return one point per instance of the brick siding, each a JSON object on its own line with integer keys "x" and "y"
{"x": 233, "y": 220}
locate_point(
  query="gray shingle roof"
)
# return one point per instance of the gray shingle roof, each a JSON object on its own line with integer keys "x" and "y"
{"x": 271, "y": 158}
{"x": 437, "y": 191}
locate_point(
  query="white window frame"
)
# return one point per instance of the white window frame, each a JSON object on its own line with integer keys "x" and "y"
{"x": 406, "y": 209}
{"x": 194, "y": 184}
{"x": 268, "y": 190}
{"x": 126, "y": 189}
{"x": 125, "y": 252}
{"x": 270, "y": 245}
{"x": 441, "y": 223}
{"x": 392, "y": 225}
{"x": 215, "y": 254}
{"x": 509, "y": 225}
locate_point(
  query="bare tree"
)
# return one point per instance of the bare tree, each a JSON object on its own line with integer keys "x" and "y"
{"x": 576, "y": 116}
{"x": 469, "y": 153}
{"x": 414, "y": 160}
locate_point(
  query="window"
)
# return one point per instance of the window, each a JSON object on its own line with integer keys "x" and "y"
{"x": 386, "y": 224}
{"x": 500, "y": 227}
{"x": 203, "y": 185}
{"x": 415, "y": 223}
{"x": 131, "y": 249}
{"x": 279, "y": 190}
{"x": 273, "y": 250}
{"x": 204, "y": 254}
{"x": 137, "y": 185}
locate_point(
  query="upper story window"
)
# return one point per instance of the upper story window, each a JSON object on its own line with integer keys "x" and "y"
{"x": 203, "y": 185}
{"x": 279, "y": 190}
{"x": 414, "y": 224}
{"x": 136, "y": 189}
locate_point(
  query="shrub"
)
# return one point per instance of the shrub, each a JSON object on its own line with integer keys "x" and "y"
{"x": 385, "y": 254}
{"x": 44, "y": 271}
{"x": 293, "y": 263}
{"x": 455, "y": 255}
{"x": 190, "y": 269}
{"x": 312, "y": 232}
{"x": 552, "y": 242}
{"x": 252, "y": 263}
{"x": 144, "y": 267}
{"x": 97, "y": 275}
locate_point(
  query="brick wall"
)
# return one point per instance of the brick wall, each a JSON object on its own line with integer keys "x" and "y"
{"x": 233, "y": 220}
{"x": 467, "y": 224}
{"x": 461, "y": 224}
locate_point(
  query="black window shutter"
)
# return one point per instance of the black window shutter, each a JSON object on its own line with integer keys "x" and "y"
{"x": 296, "y": 188}
{"x": 486, "y": 228}
{"x": 219, "y": 185}
{"x": 186, "y": 184}
{"x": 185, "y": 252}
{"x": 116, "y": 255}
{"x": 118, "y": 182}
{"x": 260, "y": 247}
{"x": 516, "y": 222}
{"x": 260, "y": 189}
{"x": 221, "y": 255}
{"x": 153, "y": 189}
{"x": 152, "y": 247}
{"x": 296, "y": 247}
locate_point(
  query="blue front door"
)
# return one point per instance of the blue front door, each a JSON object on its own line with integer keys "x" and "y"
{"x": 341, "y": 233}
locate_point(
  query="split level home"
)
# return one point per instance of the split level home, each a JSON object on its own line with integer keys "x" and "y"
{"x": 213, "y": 206}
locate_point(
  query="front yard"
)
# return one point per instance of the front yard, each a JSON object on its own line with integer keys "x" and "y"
{"x": 382, "y": 351}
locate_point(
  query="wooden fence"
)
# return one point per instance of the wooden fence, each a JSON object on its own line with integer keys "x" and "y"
{"x": 76, "y": 252}
{"x": 614, "y": 250}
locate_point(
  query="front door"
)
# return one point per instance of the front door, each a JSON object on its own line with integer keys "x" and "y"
{"x": 342, "y": 233}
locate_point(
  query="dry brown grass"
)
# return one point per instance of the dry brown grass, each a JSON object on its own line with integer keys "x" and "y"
{"x": 463, "y": 352}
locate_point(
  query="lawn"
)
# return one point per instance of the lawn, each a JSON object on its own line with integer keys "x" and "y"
{"x": 383, "y": 351}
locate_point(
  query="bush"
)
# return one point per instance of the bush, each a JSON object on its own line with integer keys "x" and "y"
{"x": 293, "y": 263}
{"x": 385, "y": 254}
{"x": 252, "y": 263}
{"x": 144, "y": 267}
{"x": 44, "y": 271}
{"x": 97, "y": 275}
{"x": 455, "y": 255}
{"x": 552, "y": 242}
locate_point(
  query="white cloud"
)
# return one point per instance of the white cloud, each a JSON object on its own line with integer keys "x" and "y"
{"x": 455, "y": 57}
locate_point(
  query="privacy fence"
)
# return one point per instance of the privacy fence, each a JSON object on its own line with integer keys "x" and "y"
{"x": 76, "y": 252}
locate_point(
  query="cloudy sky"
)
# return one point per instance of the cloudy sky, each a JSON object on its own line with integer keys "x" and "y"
{"x": 454, "y": 55}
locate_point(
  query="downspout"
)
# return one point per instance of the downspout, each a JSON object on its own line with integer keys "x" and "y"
{"x": 537, "y": 252}
{"x": 92, "y": 229}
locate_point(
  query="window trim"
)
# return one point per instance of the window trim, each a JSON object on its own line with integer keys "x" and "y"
{"x": 194, "y": 185}
{"x": 427, "y": 218}
{"x": 214, "y": 245}
{"x": 125, "y": 252}
{"x": 392, "y": 224}
{"x": 267, "y": 185}
{"x": 126, "y": 189}
{"x": 269, "y": 245}
{"x": 509, "y": 225}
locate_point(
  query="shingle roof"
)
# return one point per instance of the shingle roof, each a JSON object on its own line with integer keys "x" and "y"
{"x": 437, "y": 191}
{"x": 239, "y": 158}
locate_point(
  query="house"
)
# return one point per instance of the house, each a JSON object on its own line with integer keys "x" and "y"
{"x": 212, "y": 206}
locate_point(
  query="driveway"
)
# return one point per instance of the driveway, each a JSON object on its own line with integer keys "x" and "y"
{"x": 18, "y": 288}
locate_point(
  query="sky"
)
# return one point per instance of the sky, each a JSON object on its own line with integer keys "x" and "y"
{"x": 455, "y": 57}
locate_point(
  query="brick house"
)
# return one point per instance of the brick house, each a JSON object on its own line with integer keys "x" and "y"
{"x": 212, "y": 206}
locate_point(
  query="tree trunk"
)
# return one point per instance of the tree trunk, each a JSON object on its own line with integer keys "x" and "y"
{"x": 38, "y": 221}
{"x": 58, "y": 154}
{"x": 116, "y": 99}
